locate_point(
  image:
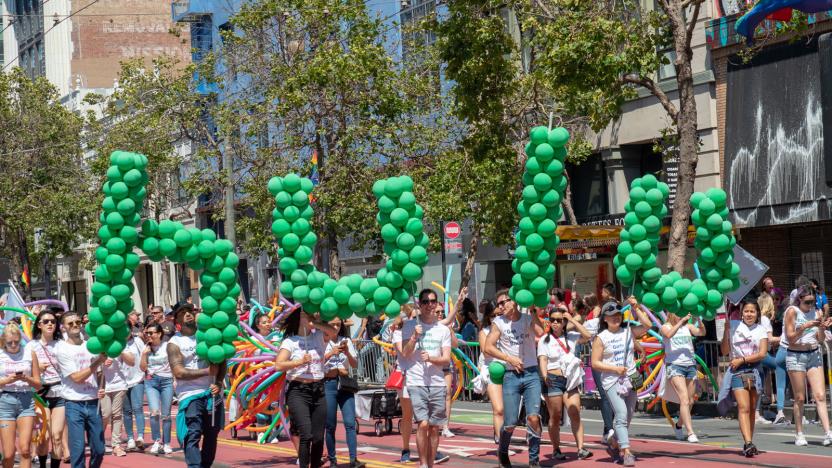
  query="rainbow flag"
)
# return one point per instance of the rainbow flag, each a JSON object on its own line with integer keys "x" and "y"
{"x": 24, "y": 277}
{"x": 314, "y": 176}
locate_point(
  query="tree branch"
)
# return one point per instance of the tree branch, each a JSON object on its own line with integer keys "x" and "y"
{"x": 651, "y": 86}
{"x": 692, "y": 23}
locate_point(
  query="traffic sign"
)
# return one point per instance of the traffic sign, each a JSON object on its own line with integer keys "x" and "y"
{"x": 452, "y": 230}
{"x": 453, "y": 241}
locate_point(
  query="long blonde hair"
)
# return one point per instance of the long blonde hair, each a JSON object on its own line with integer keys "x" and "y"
{"x": 766, "y": 303}
{"x": 12, "y": 330}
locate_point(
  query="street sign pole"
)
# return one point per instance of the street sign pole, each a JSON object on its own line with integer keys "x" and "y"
{"x": 442, "y": 230}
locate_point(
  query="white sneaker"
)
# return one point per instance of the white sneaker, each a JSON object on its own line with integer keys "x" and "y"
{"x": 446, "y": 433}
{"x": 800, "y": 440}
{"x": 131, "y": 444}
{"x": 680, "y": 432}
{"x": 761, "y": 420}
{"x": 156, "y": 447}
{"x": 827, "y": 441}
{"x": 168, "y": 449}
{"x": 693, "y": 439}
{"x": 108, "y": 449}
{"x": 606, "y": 437}
{"x": 780, "y": 420}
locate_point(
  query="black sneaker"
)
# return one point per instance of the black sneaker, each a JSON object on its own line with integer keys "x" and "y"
{"x": 441, "y": 457}
{"x": 534, "y": 464}
{"x": 754, "y": 449}
{"x": 583, "y": 454}
{"x": 558, "y": 455}
{"x": 505, "y": 461}
{"x": 748, "y": 450}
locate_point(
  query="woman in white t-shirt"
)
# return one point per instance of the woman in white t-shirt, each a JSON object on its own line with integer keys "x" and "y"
{"x": 613, "y": 354}
{"x": 680, "y": 366}
{"x": 494, "y": 391}
{"x": 19, "y": 378}
{"x": 134, "y": 398}
{"x": 746, "y": 342}
{"x": 805, "y": 327}
{"x": 301, "y": 357}
{"x": 158, "y": 387}
{"x": 42, "y": 351}
{"x": 556, "y": 362}
{"x": 339, "y": 357}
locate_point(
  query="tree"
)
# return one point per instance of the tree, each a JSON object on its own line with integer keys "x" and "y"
{"x": 156, "y": 112}
{"x": 597, "y": 54}
{"x": 45, "y": 182}
{"x": 315, "y": 77}
{"x": 498, "y": 95}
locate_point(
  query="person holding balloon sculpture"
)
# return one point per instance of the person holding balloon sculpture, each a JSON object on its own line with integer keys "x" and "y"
{"x": 562, "y": 371}
{"x": 746, "y": 343}
{"x": 511, "y": 341}
{"x": 493, "y": 389}
{"x": 158, "y": 387}
{"x": 408, "y": 311}
{"x": 805, "y": 327}
{"x": 80, "y": 390}
{"x": 199, "y": 389}
{"x": 301, "y": 357}
{"x": 133, "y": 407}
{"x": 680, "y": 365}
{"x": 613, "y": 354}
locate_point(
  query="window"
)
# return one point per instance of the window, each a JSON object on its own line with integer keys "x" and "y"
{"x": 667, "y": 71}
{"x": 414, "y": 38}
{"x": 202, "y": 40}
{"x": 589, "y": 188}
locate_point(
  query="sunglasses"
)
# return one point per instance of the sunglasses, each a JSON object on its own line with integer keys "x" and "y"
{"x": 74, "y": 323}
{"x": 13, "y": 343}
{"x": 502, "y": 303}
{"x": 428, "y": 301}
{"x": 808, "y": 302}
{"x": 48, "y": 322}
{"x": 557, "y": 320}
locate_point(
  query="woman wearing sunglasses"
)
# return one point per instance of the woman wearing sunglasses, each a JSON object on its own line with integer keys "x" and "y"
{"x": 557, "y": 362}
{"x": 158, "y": 386}
{"x": 494, "y": 391}
{"x": 42, "y": 350}
{"x": 301, "y": 357}
{"x": 20, "y": 376}
{"x": 680, "y": 366}
{"x": 804, "y": 328}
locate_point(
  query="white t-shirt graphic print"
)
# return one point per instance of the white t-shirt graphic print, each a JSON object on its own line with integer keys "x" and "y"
{"x": 434, "y": 338}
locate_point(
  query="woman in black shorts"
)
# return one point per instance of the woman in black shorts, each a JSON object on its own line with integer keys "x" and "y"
{"x": 45, "y": 336}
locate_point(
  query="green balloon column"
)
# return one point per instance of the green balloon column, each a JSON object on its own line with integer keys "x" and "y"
{"x": 405, "y": 244}
{"x": 537, "y": 241}
{"x": 635, "y": 261}
{"x": 113, "y": 287}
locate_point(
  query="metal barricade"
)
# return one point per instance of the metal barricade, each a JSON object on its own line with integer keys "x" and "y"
{"x": 375, "y": 363}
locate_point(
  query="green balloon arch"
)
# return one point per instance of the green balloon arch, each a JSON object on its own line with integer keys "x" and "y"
{"x": 112, "y": 290}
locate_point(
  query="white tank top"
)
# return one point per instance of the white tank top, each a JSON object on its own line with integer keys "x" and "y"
{"x": 618, "y": 351}
{"x": 484, "y": 359}
{"x": 679, "y": 348}
{"x": 517, "y": 339}
{"x": 810, "y": 335}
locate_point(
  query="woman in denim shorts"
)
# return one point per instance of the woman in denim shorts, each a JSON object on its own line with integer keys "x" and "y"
{"x": 805, "y": 327}
{"x": 747, "y": 342}
{"x": 19, "y": 376}
{"x": 556, "y": 354}
{"x": 45, "y": 337}
{"x": 680, "y": 366}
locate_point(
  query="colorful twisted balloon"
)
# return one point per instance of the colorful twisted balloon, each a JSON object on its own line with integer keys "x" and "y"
{"x": 400, "y": 220}
{"x": 113, "y": 288}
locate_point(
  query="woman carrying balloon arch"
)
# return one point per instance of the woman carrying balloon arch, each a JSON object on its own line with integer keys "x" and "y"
{"x": 41, "y": 348}
{"x": 680, "y": 366}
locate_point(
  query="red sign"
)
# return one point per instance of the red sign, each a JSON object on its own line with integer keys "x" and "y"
{"x": 452, "y": 230}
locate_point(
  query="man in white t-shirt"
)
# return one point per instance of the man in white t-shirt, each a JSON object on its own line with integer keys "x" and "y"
{"x": 512, "y": 342}
{"x": 426, "y": 347}
{"x": 198, "y": 391}
{"x": 81, "y": 392}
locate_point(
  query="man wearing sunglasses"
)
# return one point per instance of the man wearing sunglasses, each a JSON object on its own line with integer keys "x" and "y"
{"x": 512, "y": 341}
{"x": 426, "y": 347}
{"x": 80, "y": 390}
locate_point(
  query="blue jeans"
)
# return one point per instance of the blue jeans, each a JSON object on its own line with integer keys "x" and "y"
{"x": 83, "y": 421}
{"x": 622, "y": 407}
{"x": 345, "y": 401}
{"x": 198, "y": 420}
{"x": 781, "y": 376}
{"x": 159, "y": 398}
{"x": 134, "y": 408}
{"x": 768, "y": 364}
{"x": 606, "y": 409}
{"x": 524, "y": 384}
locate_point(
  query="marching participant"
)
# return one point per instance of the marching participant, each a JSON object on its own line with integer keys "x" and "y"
{"x": 42, "y": 350}
{"x": 20, "y": 376}
{"x": 680, "y": 366}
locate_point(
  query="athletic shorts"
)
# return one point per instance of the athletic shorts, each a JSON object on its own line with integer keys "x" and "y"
{"x": 429, "y": 404}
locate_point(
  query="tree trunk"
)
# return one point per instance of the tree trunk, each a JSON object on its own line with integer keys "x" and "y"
{"x": 472, "y": 258}
{"x": 686, "y": 125}
{"x": 334, "y": 259}
{"x": 22, "y": 261}
{"x": 165, "y": 297}
{"x": 567, "y": 201}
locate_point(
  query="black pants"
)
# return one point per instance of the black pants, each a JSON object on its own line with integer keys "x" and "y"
{"x": 307, "y": 412}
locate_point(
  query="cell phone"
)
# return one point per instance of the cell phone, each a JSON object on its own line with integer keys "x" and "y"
{"x": 18, "y": 373}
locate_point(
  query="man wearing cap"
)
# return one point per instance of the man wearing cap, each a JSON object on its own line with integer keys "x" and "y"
{"x": 512, "y": 341}
{"x": 198, "y": 390}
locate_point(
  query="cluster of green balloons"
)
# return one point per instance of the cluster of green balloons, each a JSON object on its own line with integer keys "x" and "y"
{"x": 405, "y": 243}
{"x": 113, "y": 287}
{"x": 217, "y": 324}
{"x": 637, "y": 251}
{"x": 540, "y": 208}
{"x": 714, "y": 241}
{"x": 112, "y": 290}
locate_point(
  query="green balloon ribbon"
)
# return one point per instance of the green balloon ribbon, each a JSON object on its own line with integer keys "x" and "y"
{"x": 639, "y": 248}
{"x": 120, "y": 232}
{"x": 405, "y": 244}
{"x": 544, "y": 184}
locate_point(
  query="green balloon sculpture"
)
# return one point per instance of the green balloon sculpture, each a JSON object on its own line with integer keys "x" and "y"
{"x": 113, "y": 287}
{"x": 405, "y": 244}
{"x": 537, "y": 242}
{"x": 639, "y": 247}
